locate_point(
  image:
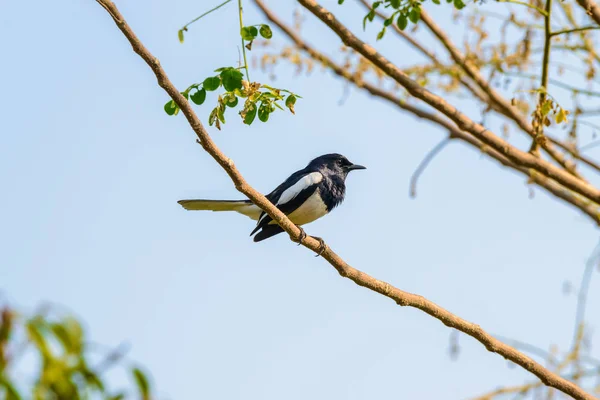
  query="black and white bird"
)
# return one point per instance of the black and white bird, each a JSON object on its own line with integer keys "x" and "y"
{"x": 307, "y": 195}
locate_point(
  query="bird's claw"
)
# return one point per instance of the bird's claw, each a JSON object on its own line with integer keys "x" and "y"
{"x": 322, "y": 245}
{"x": 302, "y": 235}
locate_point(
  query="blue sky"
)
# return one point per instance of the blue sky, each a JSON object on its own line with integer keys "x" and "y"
{"x": 92, "y": 168}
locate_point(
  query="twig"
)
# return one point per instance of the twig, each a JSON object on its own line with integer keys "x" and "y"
{"x": 184, "y": 28}
{"x": 584, "y": 289}
{"x": 522, "y": 3}
{"x": 575, "y": 153}
{"x": 360, "y": 278}
{"x": 240, "y": 12}
{"x": 555, "y": 82}
{"x": 539, "y": 130}
{"x": 424, "y": 163}
{"x": 567, "y": 31}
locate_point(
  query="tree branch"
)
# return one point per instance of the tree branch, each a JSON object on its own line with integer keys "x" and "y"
{"x": 591, "y": 8}
{"x": 360, "y": 278}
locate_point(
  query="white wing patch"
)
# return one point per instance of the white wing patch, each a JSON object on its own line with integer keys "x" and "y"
{"x": 306, "y": 181}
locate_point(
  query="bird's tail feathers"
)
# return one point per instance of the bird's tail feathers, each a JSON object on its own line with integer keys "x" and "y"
{"x": 267, "y": 231}
{"x": 245, "y": 207}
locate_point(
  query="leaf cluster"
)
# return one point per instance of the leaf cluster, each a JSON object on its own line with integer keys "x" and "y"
{"x": 404, "y": 11}
{"x": 259, "y": 99}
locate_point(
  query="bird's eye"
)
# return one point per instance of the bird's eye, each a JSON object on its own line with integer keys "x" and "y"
{"x": 339, "y": 162}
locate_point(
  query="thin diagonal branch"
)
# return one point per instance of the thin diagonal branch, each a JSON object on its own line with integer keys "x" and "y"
{"x": 549, "y": 185}
{"x": 424, "y": 163}
{"x": 360, "y": 278}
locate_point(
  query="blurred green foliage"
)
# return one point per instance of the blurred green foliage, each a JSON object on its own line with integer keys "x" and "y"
{"x": 55, "y": 348}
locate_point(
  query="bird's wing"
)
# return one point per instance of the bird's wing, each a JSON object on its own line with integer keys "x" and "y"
{"x": 291, "y": 194}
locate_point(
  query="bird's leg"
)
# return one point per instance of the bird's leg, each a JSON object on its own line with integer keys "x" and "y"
{"x": 302, "y": 235}
{"x": 322, "y": 245}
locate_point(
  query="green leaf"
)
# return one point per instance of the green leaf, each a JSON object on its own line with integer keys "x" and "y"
{"x": 198, "y": 96}
{"x": 180, "y": 35}
{"x": 171, "y": 108}
{"x": 92, "y": 379}
{"x": 459, "y": 5}
{"x": 395, "y": 3}
{"x": 263, "y": 112}
{"x": 221, "y": 113}
{"x": 249, "y": 32}
{"x": 402, "y": 22}
{"x": 232, "y": 79}
{"x": 388, "y": 21}
{"x": 415, "y": 15}
{"x": 35, "y": 332}
{"x": 381, "y": 33}
{"x": 290, "y": 102}
{"x": 436, "y": 2}
{"x": 265, "y": 31}
{"x": 211, "y": 83}
{"x": 546, "y": 107}
{"x": 340, "y": 1}
{"x": 250, "y": 115}
{"x": 561, "y": 116}
{"x": 232, "y": 102}
{"x": 142, "y": 383}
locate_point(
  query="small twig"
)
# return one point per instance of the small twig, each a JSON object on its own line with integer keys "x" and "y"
{"x": 539, "y": 129}
{"x": 566, "y": 31}
{"x": 555, "y": 82}
{"x": 197, "y": 18}
{"x": 424, "y": 163}
{"x": 522, "y": 3}
{"x": 243, "y": 47}
{"x": 584, "y": 289}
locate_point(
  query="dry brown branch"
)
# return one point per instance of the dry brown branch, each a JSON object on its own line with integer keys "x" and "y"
{"x": 591, "y": 9}
{"x": 575, "y": 153}
{"x": 549, "y": 185}
{"x": 360, "y": 278}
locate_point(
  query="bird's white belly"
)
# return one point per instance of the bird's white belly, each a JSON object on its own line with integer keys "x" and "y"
{"x": 312, "y": 209}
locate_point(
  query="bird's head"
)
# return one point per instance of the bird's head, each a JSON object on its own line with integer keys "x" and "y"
{"x": 334, "y": 164}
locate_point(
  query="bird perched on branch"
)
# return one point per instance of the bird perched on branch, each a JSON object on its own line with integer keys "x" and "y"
{"x": 307, "y": 195}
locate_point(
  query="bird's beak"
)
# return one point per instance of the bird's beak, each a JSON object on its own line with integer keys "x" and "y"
{"x": 355, "y": 166}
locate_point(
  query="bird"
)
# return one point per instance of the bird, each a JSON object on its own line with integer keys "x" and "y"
{"x": 307, "y": 195}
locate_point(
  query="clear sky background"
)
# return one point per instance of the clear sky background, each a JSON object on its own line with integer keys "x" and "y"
{"x": 91, "y": 169}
